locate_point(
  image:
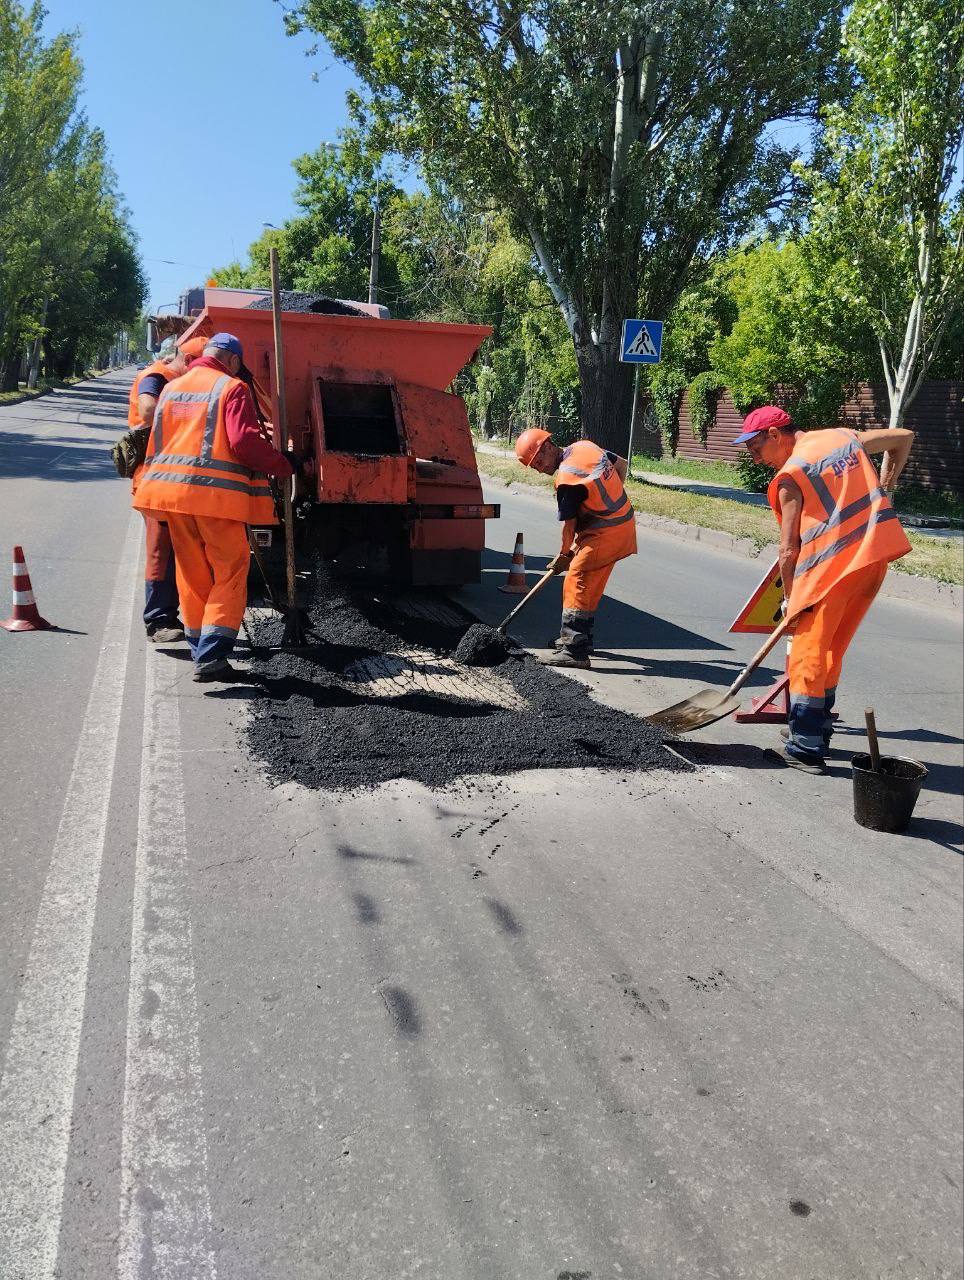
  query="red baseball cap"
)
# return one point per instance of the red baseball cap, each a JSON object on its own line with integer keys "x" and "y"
{"x": 769, "y": 415}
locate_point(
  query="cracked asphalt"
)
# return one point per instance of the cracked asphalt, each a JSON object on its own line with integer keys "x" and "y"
{"x": 560, "y": 1024}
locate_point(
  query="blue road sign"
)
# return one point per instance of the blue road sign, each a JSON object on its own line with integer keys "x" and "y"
{"x": 642, "y": 341}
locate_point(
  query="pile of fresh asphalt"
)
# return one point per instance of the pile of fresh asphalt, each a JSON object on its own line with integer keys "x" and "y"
{"x": 308, "y": 727}
{"x": 314, "y": 303}
{"x": 482, "y": 646}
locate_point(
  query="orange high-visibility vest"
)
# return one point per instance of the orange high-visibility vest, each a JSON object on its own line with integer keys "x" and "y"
{"x": 189, "y": 468}
{"x": 847, "y": 521}
{"x": 605, "y": 505}
{"x": 165, "y": 371}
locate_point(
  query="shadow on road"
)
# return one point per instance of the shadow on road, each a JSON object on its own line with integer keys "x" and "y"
{"x": 949, "y": 835}
{"x": 617, "y": 623}
{"x": 45, "y": 458}
{"x": 727, "y": 755}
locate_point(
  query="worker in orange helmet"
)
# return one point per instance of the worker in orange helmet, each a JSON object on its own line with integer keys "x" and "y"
{"x": 205, "y": 474}
{"x": 598, "y": 528}
{"x": 838, "y": 533}
{"x": 161, "y": 621}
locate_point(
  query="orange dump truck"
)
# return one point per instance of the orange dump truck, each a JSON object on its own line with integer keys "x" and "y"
{"x": 395, "y": 487}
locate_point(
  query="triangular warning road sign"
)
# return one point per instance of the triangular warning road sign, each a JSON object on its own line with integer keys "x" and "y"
{"x": 642, "y": 345}
{"x": 761, "y": 613}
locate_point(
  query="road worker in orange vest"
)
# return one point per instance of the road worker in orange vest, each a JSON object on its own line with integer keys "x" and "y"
{"x": 598, "y": 528}
{"x": 160, "y": 589}
{"x": 205, "y": 475}
{"x": 838, "y": 533}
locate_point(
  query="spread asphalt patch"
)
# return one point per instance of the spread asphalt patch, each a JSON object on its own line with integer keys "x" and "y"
{"x": 382, "y": 698}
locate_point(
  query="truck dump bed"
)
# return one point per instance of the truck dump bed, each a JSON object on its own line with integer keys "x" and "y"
{"x": 366, "y": 397}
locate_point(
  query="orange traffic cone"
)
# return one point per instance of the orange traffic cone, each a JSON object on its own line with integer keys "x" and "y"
{"x": 515, "y": 584}
{"x": 26, "y": 615}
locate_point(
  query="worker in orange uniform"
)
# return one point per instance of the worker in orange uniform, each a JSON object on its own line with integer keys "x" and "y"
{"x": 838, "y": 533}
{"x": 205, "y": 473}
{"x": 160, "y": 589}
{"x": 598, "y": 528}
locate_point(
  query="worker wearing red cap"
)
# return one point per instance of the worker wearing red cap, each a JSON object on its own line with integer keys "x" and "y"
{"x": 161, "y": 621}
{"x": 838, "y": 533}
{"x": 205, "y": 475}
{"x": 598, "y": 529}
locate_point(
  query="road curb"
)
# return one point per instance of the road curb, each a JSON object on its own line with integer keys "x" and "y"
{"x": 896, "y": 586}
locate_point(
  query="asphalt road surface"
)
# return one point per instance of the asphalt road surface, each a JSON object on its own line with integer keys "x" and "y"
{"x": 556, "y": 1025}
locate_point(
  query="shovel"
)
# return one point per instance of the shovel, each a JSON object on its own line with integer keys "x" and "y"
{"x": 477, "y": 646}
{"x": 709, "y": 705}
{"x": 530, "y": 595}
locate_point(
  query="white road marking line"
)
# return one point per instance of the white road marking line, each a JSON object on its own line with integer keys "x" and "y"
{"x": 165, "y": 1203}
{"x": 40, "y": 1071}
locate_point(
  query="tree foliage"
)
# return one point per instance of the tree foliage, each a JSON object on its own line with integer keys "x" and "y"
{"x": 69, "y": 272}
{"x": 792, "y": 332}
{"x": 888, "y": 206}
{"x": 439, "y": 261}
{"x": 620, "y": 140}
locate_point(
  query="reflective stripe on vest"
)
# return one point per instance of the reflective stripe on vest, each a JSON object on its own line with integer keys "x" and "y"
{"x": 606, "y": 504}
{"x": 210, "y": 482}
{"x": 158, "y": 367}
{"x": 839, "y": 485}
{"x": 211, "y": 398}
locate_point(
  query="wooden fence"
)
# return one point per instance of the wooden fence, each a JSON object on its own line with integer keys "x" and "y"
{"x": 937, "y": 415}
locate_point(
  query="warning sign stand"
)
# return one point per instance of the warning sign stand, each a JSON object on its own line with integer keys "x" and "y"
{"x": 761, "y": 614}
{"x": 772, "y": 706}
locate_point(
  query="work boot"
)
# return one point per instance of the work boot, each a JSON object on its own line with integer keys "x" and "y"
{"x": 559, "y": 643}
{"x": 805, "y": 766}
{"x": 220, "y": 669}
{"x": 166, "y": 633}
{"x": 563, "y": 658}
{"x": 785, "y": 735}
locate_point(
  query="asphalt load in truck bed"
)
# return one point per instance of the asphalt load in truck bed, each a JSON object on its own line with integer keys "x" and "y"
{"x": 313, "y": 303}
{"x": 381, "y": 698}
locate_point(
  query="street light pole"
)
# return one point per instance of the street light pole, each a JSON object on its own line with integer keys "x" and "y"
{"x": 376, "y": 252}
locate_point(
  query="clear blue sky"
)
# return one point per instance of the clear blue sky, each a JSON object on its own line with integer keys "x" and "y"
{"x": 160, "y": 79}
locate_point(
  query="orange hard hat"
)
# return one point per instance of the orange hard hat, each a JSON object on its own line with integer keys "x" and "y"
{"x": 529, "y": 443}
{"x": 192, "y": 348}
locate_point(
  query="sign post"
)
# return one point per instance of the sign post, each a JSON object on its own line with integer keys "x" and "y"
{"x": 642, "y": 343}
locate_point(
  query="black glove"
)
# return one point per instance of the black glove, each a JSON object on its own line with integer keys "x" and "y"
{"x": 296, "y": 459}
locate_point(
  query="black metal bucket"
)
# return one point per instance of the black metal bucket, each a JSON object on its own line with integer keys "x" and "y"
{"x": 885, "y": 801}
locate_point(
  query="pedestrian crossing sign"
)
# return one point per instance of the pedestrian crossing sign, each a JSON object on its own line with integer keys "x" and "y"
{"x": 761, "y": 613}
{"x": 642, "y": 341}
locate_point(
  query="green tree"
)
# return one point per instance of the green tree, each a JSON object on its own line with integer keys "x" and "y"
{"x": 69, "y": 272}
{"x": 439, "y": 261}
{"x": 326, "y": 247}
{"x": 887, "y": 194}
{"x": 622, "y": 139}
{"x": 39, "y": 84}
{"x": 792, "y": 332}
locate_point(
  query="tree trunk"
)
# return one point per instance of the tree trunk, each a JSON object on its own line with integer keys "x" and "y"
{"x": 10, "y": 379}
{"x": 606, "y": 390}
{"x": 33, "y": 370}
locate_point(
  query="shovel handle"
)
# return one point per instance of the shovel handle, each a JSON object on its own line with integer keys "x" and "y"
{"x": 871, "y": 723}
{"x": 758, "y": 657}
{"x": 279, "y": 369}
{"x": 550, "y": 573}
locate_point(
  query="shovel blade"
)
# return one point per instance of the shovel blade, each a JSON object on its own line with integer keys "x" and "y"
{"x": 696, "y": 712}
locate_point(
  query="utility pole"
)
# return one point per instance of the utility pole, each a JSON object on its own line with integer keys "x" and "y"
{"x": 376, "y": 251}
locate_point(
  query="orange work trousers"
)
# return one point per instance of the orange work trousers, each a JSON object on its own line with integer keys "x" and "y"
{"x": 822, "y": 637}
{"x": 160, "y": 589}
{"x": 596, "y": 555}
{"x": 212, "y": 557}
